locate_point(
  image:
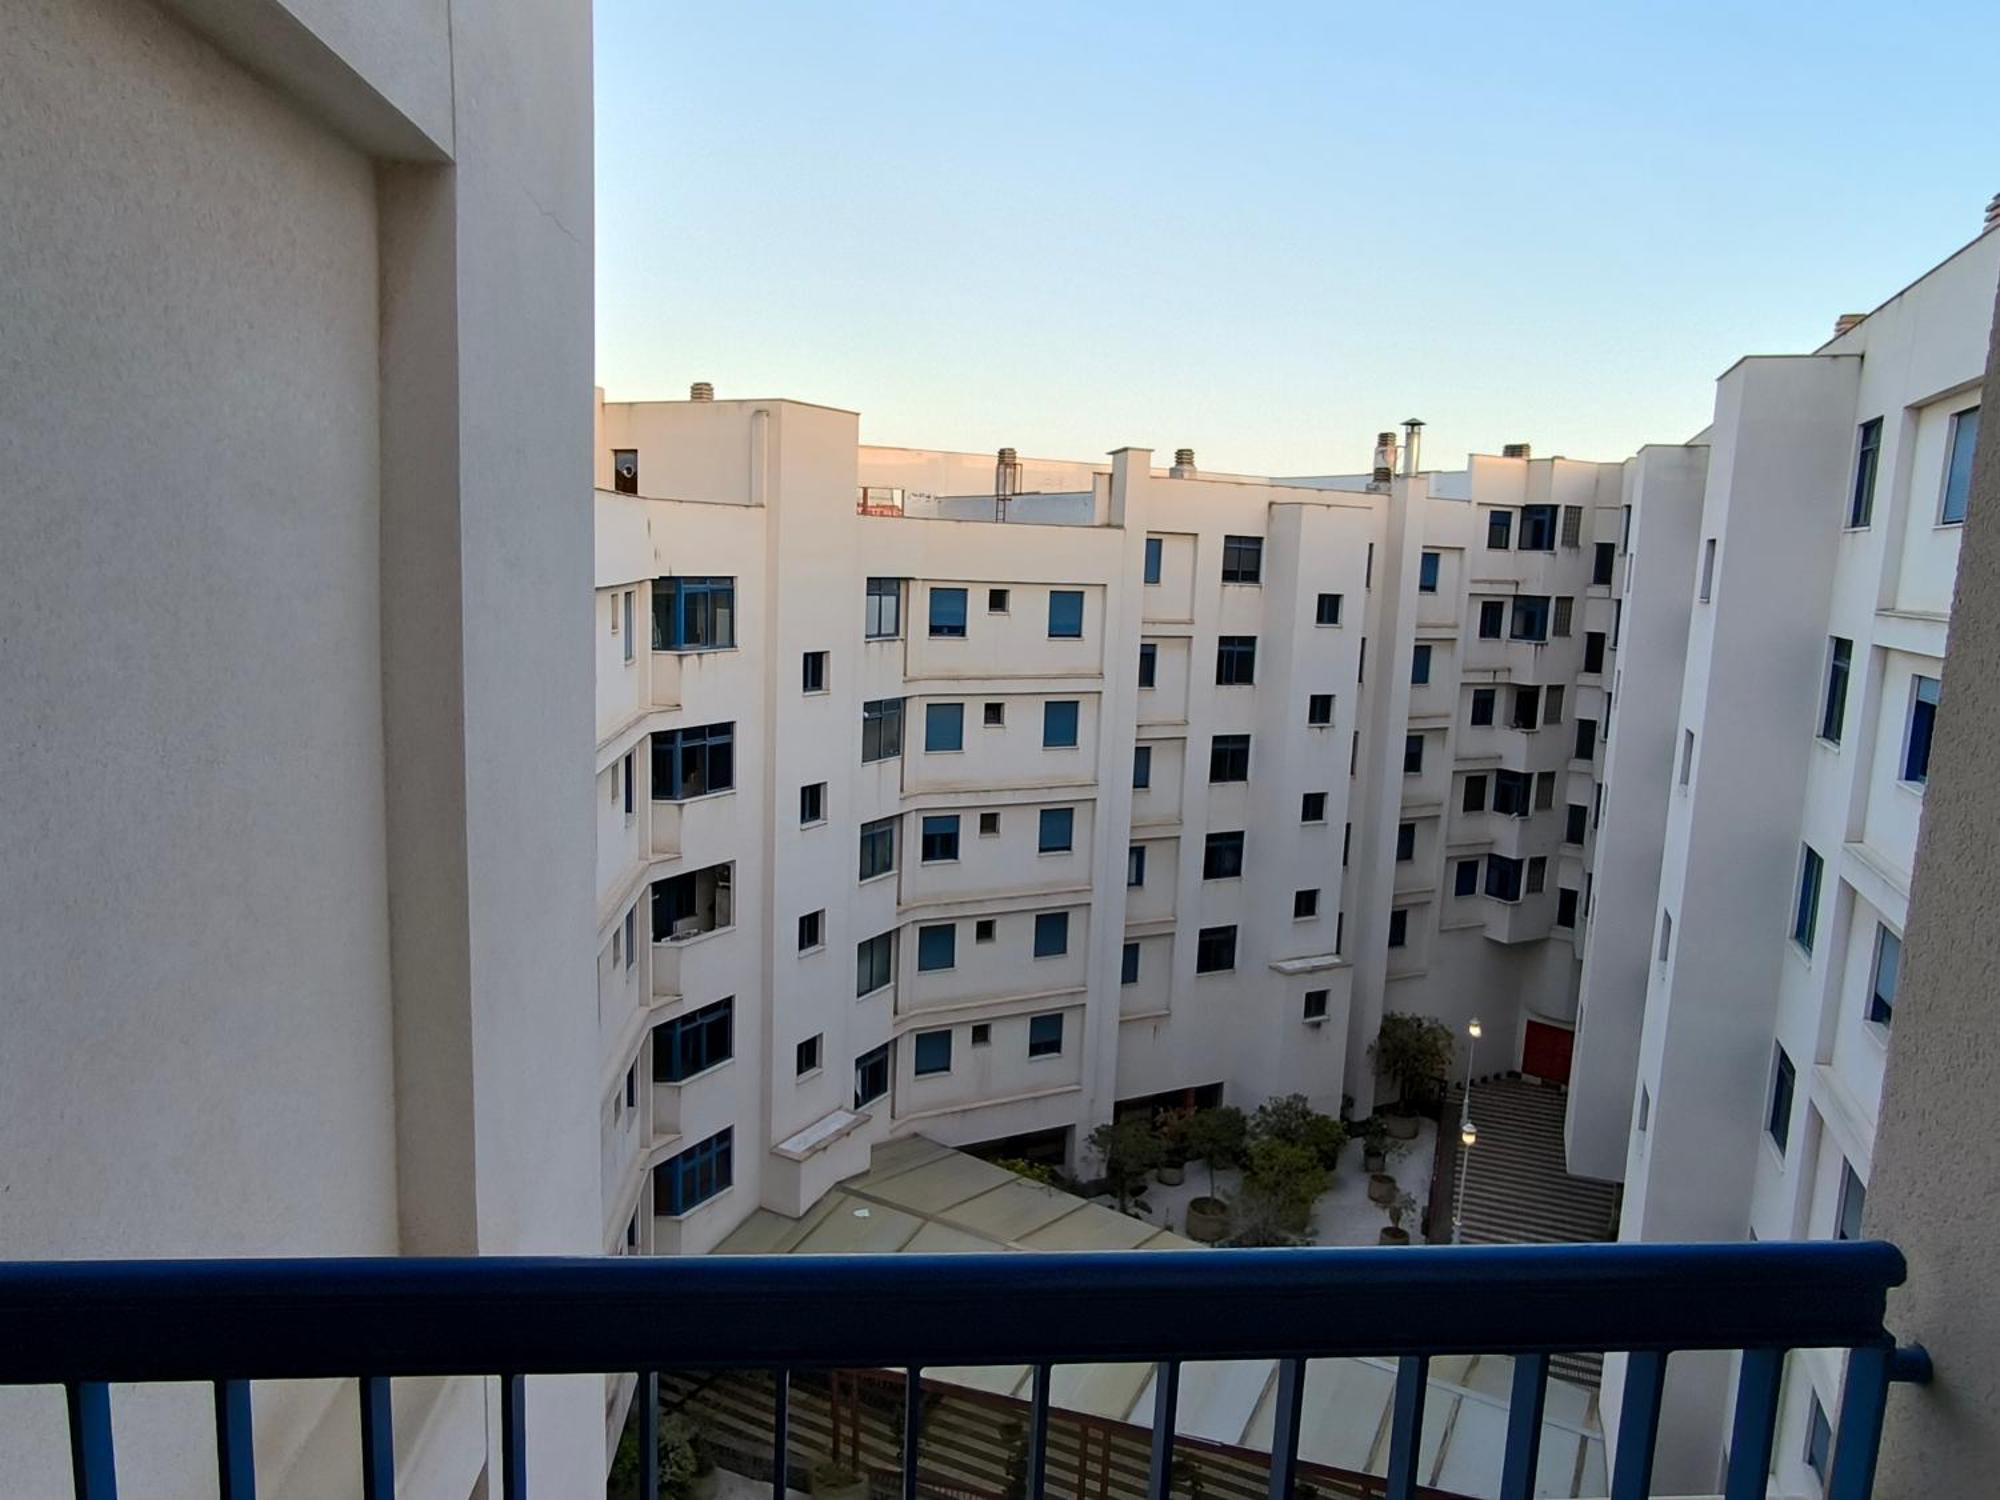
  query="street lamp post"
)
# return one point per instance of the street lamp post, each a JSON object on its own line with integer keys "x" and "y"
{"x": 1468, "y": 1135}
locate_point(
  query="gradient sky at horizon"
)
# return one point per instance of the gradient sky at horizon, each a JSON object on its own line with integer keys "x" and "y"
{"x": 1267, "y": 231}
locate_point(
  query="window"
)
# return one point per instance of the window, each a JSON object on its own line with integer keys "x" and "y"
{"x": 1565, "y": 906}
{"x": 1572, "y": 526}
{"x": 1149, "y": 664}
{"x": 1327, "y": 611}
{"x": 1222, "y": 856}
{"x": 1427, "y": 573}
{"x": 631, "y": 935}
{"x": 1368, "y": 568}
{"x": 1500, "y": 530}
{"x": 1565, "y": 614}
{"x": 626, "y": 607}
{"x": 1215, "y": 950}
{"x": 1128, "y": 964}
{"x": 944, "y": 727}
{"x": 1576, "y": 821}
{"x": 683, "y": 1183}
{"x": 1319, "y": 708}
{"x": 694, "y": 614}
{"x": 812, "y": 803}
{"x": 1888, "y": 968}
{"x": 1065, "y": 614}
{"x": 1917, "y": 739}
{"x": 693, "y": 762}
{"x": 1538, "y": 528}
{"x": 1687, "y": 756}
{"x": 1475, "y": 795}
{"x": 1059, "y": 725}
{"x": 1413, "y": 755}
{"x": 885, "y": 609}
{"x": 1552, "y": 704}
{"x": 1305, "y": 905}
{"x": 698, "y": 901}
{"x": 1315, "y": 1005}
{"x": 982, "y": 1033}
{"x": 1155, "y": 546}
{"x": 937, "y": 947}
{"x": 940, "y": 838}
{"x": 1503, "y": 878}
{"x": 948, "y": 612}
{"x": 812, "y": 675}
{"x": 1142, "y": 767}
{"x": 1958, "y": 468}
{"x": 983, "y": 930}
{"x": 997, "y": 601}
{"x": 695, "y": 1042}
{"x": 1229, "y": 757}
{"x": 1339, "y": 931}
{"x": 1312, "y": 807}
{"x": 812, "y": 930}
{"x": 881, "y": 729}
{"x": 1545, "y": 790}
{"x": 878, "y": 848}
{"x": 1399, "y": 927}
{"x": 1482, "y": 705}
{"x": 1853, "y": 1203}
{"x": 1058, "y": 830}
{"x": 1465, "y": 877}
{"x": 1135, "y": 865}
{"x": 1586, "y": 739}
{"x": 1604, "y": 557}
{"x": 931, "y": 1053}
{"x": 1805, "y": 911}
{"x": 989, "y": 825}
{"x": 1538, "y": 875}
{"x": 1531, "y": 617}
{"x": 1617, "y": 620}
{"x": 1051, "y": 934}
{"x": 629, "y": 764}
{"x": 1236, "y": 660}
{"x": 871, "y": 1075}
{"x": 1778, "y": 1120}
{"x": 1707, "y": 590}
{"x": 1420, "y": 665}
{"x": 1527, "y": 708}
{"x": 1045, "y": 1035}
{"x": 625, "y": 470}
{"x": 1593, "y": 651}
{"x": 1361, "y": 663}
{"x": 874, "y": 963}
{"x": 1867, "y": 458}
{"x": 1513, "y": 793}
{"x": 805, "y": 1057}
{"x": 1242, "y": 559}
{"x": 1406, "y": 841}
{"x": 1819, "y": 1440}
{"x": 1833, "y": 712}
{"x": 1492, "y": 616}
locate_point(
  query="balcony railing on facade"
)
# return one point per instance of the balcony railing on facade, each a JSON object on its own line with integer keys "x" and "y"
{"x": 85, "y": 1325}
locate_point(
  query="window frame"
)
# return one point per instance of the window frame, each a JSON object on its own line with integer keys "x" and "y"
{"x": 1063, "y": 821}
{"x": 882, "y": 721}
{"x": 1236, "y": 661}
{"x": 1055, "y": 925}
{"x": 1061, "y": 603}
{"x": 1242, "y": 559}
{"x": 1040, "y": 1043}
{"x": 1222, "y": 854}
{"x": 1051, "y": 719}
{"x": 946, "y": 721}
{"x": 874, "y": 959}
{"x": 1215, "y": 950}
{"x": 877, "y": 848}
{"x": 922, "y": 1041}
{"x": 1867, "y": 467}
{"x": 709, "y": 599}
{"x": 947, "y": 612}
{"x": 938, "y": 832}
{"x": 883, "y": 621}
{"x": 935, "y": 939}
{"x": 1226, "y": 751}
{"x": 1957, "y": 482}
{"x": 1919, "y": 732}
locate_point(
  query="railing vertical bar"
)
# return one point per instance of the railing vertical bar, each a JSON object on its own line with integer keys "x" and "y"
{"x": 235, "y": 1453}
{"x": 649, "y": 1434}
{"x": 90, "y": 1458}
{"x": 1406, "y": 1436}
{"x": 378, "y": 1440}
{"x": 1285, "y": 1428}
{"x": 1038, "y": 1434}
{"x": 1756, "y": 1420}
{"x": 1638, "y": 1424}
{"x": 781, "y": 1431}
{"x": 1857, "y": 1442}
{"x": 1524, "y": 1426}
{"x": 1166, "y": 1403}
{"x": 513, "y": 1437}
{"x": 913, "y": 1428}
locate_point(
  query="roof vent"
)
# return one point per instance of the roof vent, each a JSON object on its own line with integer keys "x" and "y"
{"x": 1516, "y": 450}
{"x": 701, "y": 390}
{"x": 1413, "y": 436}
{"x": 1006, "y": 481}
{"x": 1992, "y": 213}
{"x": 1183, "y": 464}
{"x": 1385, "y": 459}
{"x": 1847, "y": 321}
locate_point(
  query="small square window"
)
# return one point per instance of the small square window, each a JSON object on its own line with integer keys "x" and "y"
{"x": 812, "y": 930}
{"x": 1045, "y": 1035}
{"x": 1319, "y": 709}
{"x": 995, "y": 715}
{"x": 989, "y": 825}
{"x": 1229, "y": 757}
{"x": 1327, "y": 610}
{"x": 982, "y": 930}
{"x": 1315, "y": 1006}
{"x": 932, "y": 1053}
{"x": 806, "y": 1056}
{"x": 812, "y": 803}
{"x": 996, "y": 601}
{"x": 1236, "y": 661}
{"x": 1312, "y": 807}
{"x": 1065, "y": 614}
{"x": 813, "y": 673}
{"x": 1222, "y": 856}
{"x": 1305, "y": 905}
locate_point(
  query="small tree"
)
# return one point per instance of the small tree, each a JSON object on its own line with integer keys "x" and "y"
{"x": 1279, "y": 1189}
{"x": 1416, "y": 1052}
{"x": 1172, "y": 1127}
{"x": 682, "y": 1457}
{"x": 1294, "y": 1121}
{"x": 1216, "y": 1137}
{"x": 1130, "y": 1150}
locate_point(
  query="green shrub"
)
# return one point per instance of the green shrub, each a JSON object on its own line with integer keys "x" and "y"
{"x": 1416, "y": 1052}
{"x": 1283, "y": 1182}
{"x": 1293, "y": 1121}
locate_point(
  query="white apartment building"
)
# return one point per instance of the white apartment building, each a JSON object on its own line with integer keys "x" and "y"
{"x": 916, "y": 820}
{"x": 1755, "y": 862}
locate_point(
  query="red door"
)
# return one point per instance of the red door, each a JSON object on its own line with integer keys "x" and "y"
{"x": 1545, "y": 1052}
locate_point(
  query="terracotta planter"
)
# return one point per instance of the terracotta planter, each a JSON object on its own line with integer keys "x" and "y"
{"x": 1391, "y": 1235}
{"x": 1381, "y": 1189}
{"x": 1401, "y": 1127}
{"x": 1170, "y": 1176}
{"x": 1207, "y": 1220}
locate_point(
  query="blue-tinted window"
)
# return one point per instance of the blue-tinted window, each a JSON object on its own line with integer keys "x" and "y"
{"x": 1149, "y": 664}
{"x": 694, "y": 614}
{"x": 1888, "y": 969}
{"x": 933, "y": 1052}
{"x": 682, "y": 1182}
{"x": 1867, "y": 455}
{"x": 1420, "y": 665}
{"x": 1065, "y": 614}
{"x": 693, "y": 762}
{"x": 1958, "y": 467}
{"x": 937, "y": 947}
{"x": 948, "y": 612}
{"x": 1142, "y": 767}
{"x": 1819, "y": 1440}
{"x": 1917, "y": 742}
{"x": 1058, "y": 830}
{"x": 1051, "y": 934}
{"x": 1538, "y": 528}
{"x": 944, "y": 726}
{"x": 1805, "y": 912}
{"x": 1154, "y": 547}
{"x": 1128, "y": 965}
{"x": 940, "y": 837}
{"x": 1045, "y": 1035}
{"x": 695, "y": 1042}
{"x": 1059, "y": 725}
{"x": 1427, "y": 573}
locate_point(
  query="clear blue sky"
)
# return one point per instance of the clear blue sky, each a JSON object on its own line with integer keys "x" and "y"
{"x": 1265, "y": 231}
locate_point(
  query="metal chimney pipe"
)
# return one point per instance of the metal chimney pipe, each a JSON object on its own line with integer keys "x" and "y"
{"x": 1413, "y": 437}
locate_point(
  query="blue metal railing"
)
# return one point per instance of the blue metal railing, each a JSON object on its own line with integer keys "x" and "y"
{"x": 86, "y": 1324}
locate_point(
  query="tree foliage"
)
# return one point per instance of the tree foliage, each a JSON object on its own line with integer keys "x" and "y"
{"x": 1130, "y": 1149}
{"x": 1282, "y": 1183}
{"x": 1216, "y": 1138}
{"x": 1416, "y": 1052}
{"x": 1293, "y": 1121}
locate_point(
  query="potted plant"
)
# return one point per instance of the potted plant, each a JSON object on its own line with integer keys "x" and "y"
{"x": 833, "y": 1480}
{"x": 1415, "y": 1052}
{"x": 1130, "y": 1150}
{"x": 1280, "y": 1187}
{"x": 1214, "y": 1137}
{"x": 1382, "y": 1188}
{"x": 1292, "y": 1119}
{"x": 1374, "y": 1145}
{"x": 1172, "y": 1127}
{"x": 1393, "y": 1233}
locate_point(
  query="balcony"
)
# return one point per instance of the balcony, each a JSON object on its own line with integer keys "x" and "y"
{"x": 85, "y": 1325}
